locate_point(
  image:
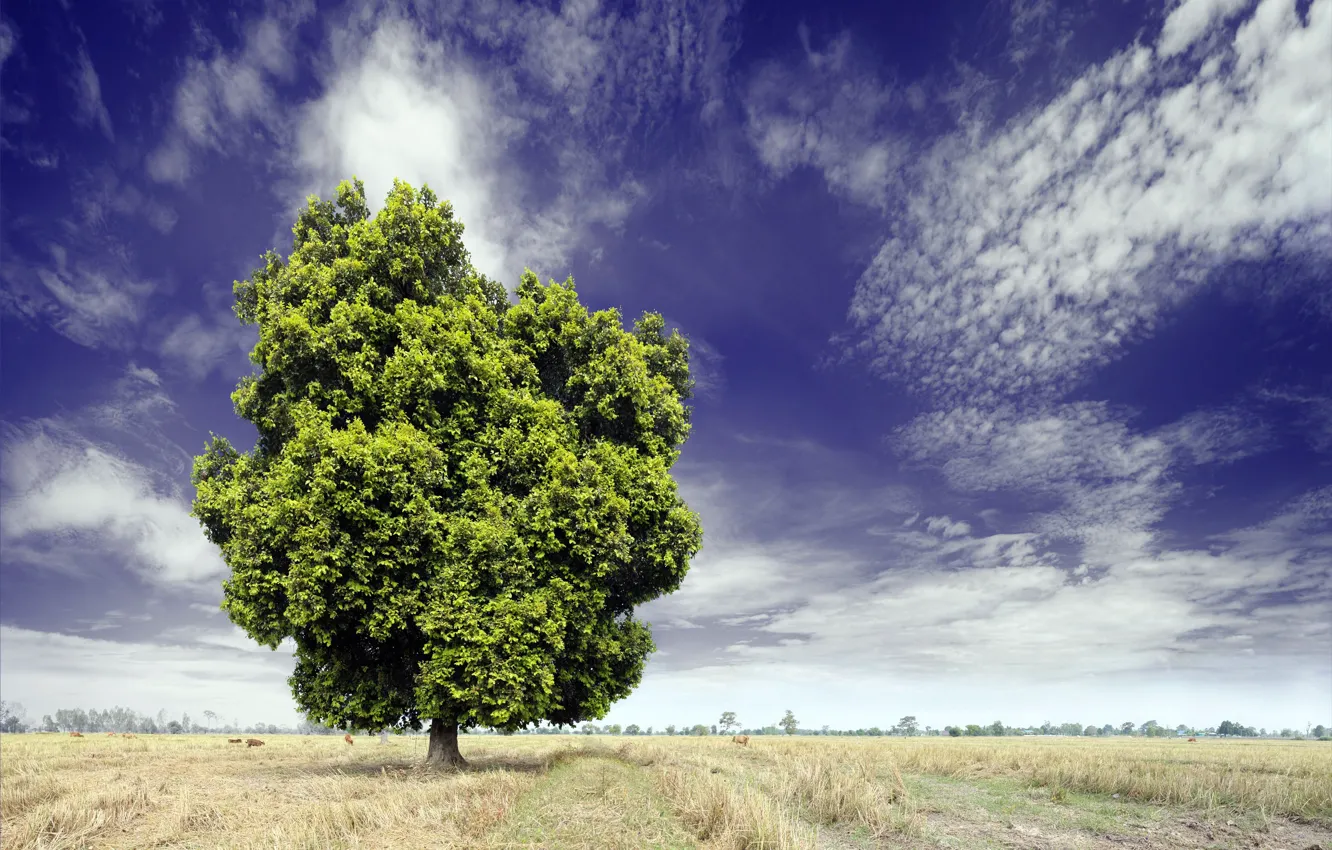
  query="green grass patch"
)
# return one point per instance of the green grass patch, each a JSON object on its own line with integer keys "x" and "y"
{"x": 593, "y": 802}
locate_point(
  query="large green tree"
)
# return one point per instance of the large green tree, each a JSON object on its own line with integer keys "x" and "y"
{"x": 455, "y": 502}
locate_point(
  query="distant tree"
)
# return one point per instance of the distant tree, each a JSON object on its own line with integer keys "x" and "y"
{"x": 1126, "y": 729}
{"x": 1091, "y": 731}
{"x": 953, "y": 731}
{"x": 698, "y": 729}
{"x": 588, "y": 729}
{"x": 174, "y": 727}
{"x": 1107, "y": 729}
{"x": 997, "y": 728}
{"x": 48, "y": 724}
{"x": 632, "y": 729}
{"x": 210, "y": 716}
{"x": 727, "y": 722}
{"x": 670, "y": 730}
{"x": 484, "y": 488}
{"x": 613, "y": 729}
{"x": 907, "y": 726}
{"x": 1226, "y": 728}
{"x": 874, "y": 731}
{"x": 974, "y": 730}
{"x": 1319, "y": 731}
{"x": 788, "y": 723}
{"x": 647, "y": 731}
{"x": 714, "y": 729}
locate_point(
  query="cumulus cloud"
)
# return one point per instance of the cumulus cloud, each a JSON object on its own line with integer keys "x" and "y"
{"x": 1022, "y": 259}
{"x": 404, "y": 99}
{"x": 70, "y": 501}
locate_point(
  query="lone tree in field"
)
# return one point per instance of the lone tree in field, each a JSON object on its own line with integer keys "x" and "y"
{"x": 788, "y": 723}
{"x": 727, "y": 722}
{"x": 455, "y": 502}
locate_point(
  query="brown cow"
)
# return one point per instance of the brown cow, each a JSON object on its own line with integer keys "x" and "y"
{"x": 253, "y": 742}
{"x": 741, "y": 739}
{"x": 110, "y": 734}
{"x": 235, "y": 740}
{"x": 347, "y": 738}
{"x": 76, "y": 734}
{"x": 1193, "y": 740}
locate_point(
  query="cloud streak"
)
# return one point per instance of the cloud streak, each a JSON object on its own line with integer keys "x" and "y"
{"x": 1022, "y": 260}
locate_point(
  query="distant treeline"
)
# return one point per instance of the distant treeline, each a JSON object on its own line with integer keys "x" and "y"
{"x": 117, "y": 719}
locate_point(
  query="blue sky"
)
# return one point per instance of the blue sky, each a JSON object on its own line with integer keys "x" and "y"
{"x": 1011, "y": 324}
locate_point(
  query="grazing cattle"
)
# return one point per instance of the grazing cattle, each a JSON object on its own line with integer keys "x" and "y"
{"x": 741, "y": 739}
{"x": 76, "y": 734}
{"x": 110, "y": 734}
{"x": 235, "y": 740}
{"x": 347, "y": 738}
{"x": 1193, "y": 740}
{"x": 128, "y": 735}
{"x": 253, "y": 742}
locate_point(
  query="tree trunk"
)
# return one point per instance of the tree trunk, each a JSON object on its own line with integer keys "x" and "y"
{"x": 443, "y": 750}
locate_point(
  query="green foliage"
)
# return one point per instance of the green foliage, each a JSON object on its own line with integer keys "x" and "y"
{"x": 727, "y": 722}
{"x": 788, "y": 723}
{"x": 454, "y": 503}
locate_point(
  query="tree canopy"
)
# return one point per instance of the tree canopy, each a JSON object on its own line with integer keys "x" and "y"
{"x": 455, "y": 502}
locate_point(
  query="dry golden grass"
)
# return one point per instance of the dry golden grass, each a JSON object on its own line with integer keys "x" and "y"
{"x": 567, "y": 791}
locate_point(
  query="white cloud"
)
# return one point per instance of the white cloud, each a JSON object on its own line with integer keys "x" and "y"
{"x": 1110, "y": 485}
{"x": 73, "y": 504}
{"x": 400, "y": 104}
{"x": 88, "y": 94}
{"x": 828, "y": 116}
{"x": 946, "y": 527}
{"x": 220, "y": 96}
{"x": 198, "y": 348}
{"x": 91, "y": 304}
{"x": 187, "y": 671}
{"x": 8, "y": 41}
{"x": 401, "y": 98}
{"x": 1021, "y": 260}
{"x": 1191, "y": 19}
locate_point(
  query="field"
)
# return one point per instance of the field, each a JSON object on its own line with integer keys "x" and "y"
{"x": 574, "y": 791}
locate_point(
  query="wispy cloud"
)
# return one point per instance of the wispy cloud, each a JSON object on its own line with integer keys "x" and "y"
{"x": 93, "y": 304}
{"x": 222, "y": 96}
{"x": 89, "y": 108}
{"x": 829, "y": 114}
{"x": 197, "y": 347}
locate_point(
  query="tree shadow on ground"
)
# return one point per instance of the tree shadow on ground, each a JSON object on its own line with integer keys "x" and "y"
{"x": 515, "y": 762}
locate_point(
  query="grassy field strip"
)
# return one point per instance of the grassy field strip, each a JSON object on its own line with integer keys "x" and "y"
{"x": 292, "y": 794}
{"x": 1273, "y": 778}
{"x": 199, "y": 792}
{"x": 593, "y": 802}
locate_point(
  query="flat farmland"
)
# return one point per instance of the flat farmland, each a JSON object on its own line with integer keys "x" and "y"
{"x": 658, "y": 792}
